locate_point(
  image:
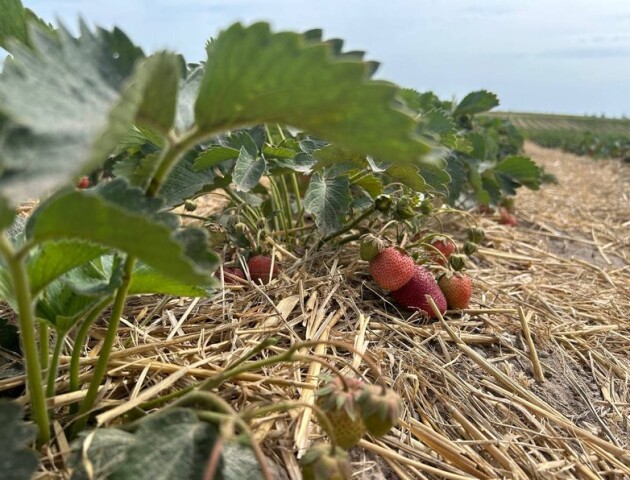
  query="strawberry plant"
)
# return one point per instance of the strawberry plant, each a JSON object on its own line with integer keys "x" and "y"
{"x": 483, "y": 154}
{"x": 167, "y": 131}
{"x": 308, "y": 148}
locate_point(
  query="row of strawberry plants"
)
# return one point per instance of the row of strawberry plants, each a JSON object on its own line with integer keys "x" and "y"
{"x": 293, "y": 129}
{"x": 583, "y": 142}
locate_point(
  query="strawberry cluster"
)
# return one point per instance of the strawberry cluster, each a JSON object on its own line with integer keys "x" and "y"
{"x": 355, "y": 408}
{"x": 411, "y": 285}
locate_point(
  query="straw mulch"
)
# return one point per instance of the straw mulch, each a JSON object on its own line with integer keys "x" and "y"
{"x": 532, "y": 382}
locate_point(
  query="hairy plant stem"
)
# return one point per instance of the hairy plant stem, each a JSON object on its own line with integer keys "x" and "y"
{"x": 278, "y": 206}
{"x": 251, "y": 215}
{"x": 287, "y": 202}
{"x": 44, "y": 344}
{"x": 26, "y": 314}
{"x": 298, "y": 200}
{"x": 284, "y": 205}
{"x": 175, "y": 149}
{"x": 54, "y": 363}
{"x": 75, "y": 359}
{"x": 110, "y": 337}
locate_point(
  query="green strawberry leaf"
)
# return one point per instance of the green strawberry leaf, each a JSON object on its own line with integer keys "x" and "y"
{"x": 244, "y": 139}
{"x": 147, "y": 280}
{"x": 14, "y": 23}
{"x": 137, "y": 169}
{"x": 173, "y": 444}
{"x": 422, "y": 102}
{"x": 439, "y": 121}
{"x": 436, "y": 176}
{"x": 248, "y": 170}
{"x": 61, "y": 308}
{"x": 100, "y": 277}
{"x": 107, "y": 451}
{"x": 185, "y": 181}
{"x": 333, "y": 155}
{"x": 372, "y": 184}
{"x": 270, "y": 151}
{"x": 188, "y": 92}
{"x": 70, "y": 101}
{"x": 457, "y": 170}
{"x": 17, "y": 461}
{"x": 521, "y": 170}
{"x": 215, "y": 155}
{"x": 53, "y": 259}
{"x": 476, "y": 102}
{"x": 408, "y": 175}
{"x": 159, "y": 101}
{"x": 328, "y": 199}
{"x": 130, "y": 223}
{"x": 254, "y": 76}
{"x": 7, "y": 213}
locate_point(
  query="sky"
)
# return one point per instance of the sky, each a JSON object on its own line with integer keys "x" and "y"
{"x": 551, "y": 56}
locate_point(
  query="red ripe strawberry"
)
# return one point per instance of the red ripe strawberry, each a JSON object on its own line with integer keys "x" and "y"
{"x": 446, "y": 248}
{"x": 228, "y": 272}
{"x": 391, "y": 268}
{"x": 457, "y": 290}
{"x": 412, "y": 295}
{"x": 343, "y": 411}
{"x": 84, "y": 182}
{"x": 507, "y": 218}
{"x": 260, "y": 268}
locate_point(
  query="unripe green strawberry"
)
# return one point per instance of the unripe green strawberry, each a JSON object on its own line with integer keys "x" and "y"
{"x": 457, "y": 262}
{"x": 445, "y": 247}
{"x": 457, "y": 289}
{"x": 476, "y": 235}
{"x": 260, "y": 268}
{"x": 190, "y": 206}
{"x": 380, "y": 410}
{"x": 470, "y": 248}
{"x": 404, "y": 209}
{"x": 383, "y": 203}
{"x": 321, "y": 463}
{"x": 343, "y": 411}
{"x": 413, "y": 294}
{"x": 370, "y": 247}
{"x": 426, "y": 207}
{"x": 391, "y": 269}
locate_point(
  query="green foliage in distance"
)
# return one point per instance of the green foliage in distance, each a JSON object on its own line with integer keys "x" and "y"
{"x": 484, "y": 155}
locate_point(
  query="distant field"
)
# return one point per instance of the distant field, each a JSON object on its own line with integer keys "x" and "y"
{"x": 584, "y": 135}
{"x": 542, "y": 121}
